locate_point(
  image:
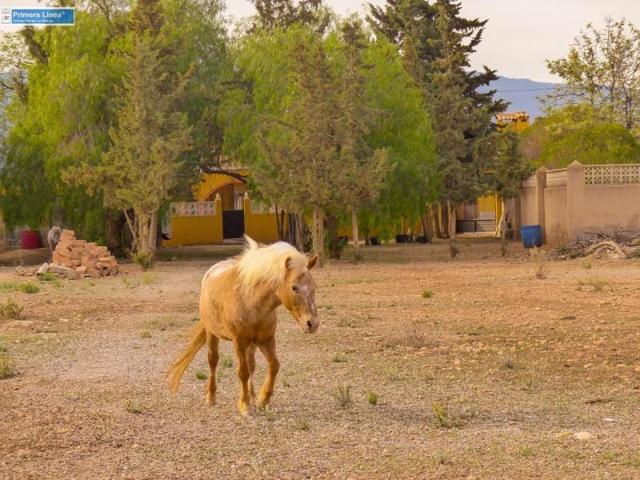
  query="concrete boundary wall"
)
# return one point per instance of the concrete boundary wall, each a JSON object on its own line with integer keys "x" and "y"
{"x": 566, "y": 203}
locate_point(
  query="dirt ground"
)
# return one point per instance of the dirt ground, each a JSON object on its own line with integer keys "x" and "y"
{"x": 480, "y": 369}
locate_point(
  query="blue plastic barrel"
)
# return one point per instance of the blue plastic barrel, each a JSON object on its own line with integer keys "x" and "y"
{"x": 531, "y": 236}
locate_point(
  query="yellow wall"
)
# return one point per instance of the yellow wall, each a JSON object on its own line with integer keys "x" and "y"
{"x": 212, "y": 182}
{"x": 262, "y": 227}
{"x": 203, "y": 230}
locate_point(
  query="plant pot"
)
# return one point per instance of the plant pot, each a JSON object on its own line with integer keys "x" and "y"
{"x": 30, "y": 239}
{"x": 374, "y": 241}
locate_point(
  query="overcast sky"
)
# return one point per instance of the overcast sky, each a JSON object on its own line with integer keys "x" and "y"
{"x": 520, "y": 34}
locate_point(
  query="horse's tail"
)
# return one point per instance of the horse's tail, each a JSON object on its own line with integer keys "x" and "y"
{"x": 177, "y": 369}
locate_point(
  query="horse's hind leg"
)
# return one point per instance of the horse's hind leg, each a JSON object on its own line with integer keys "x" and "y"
{"x": 251, "y": 365}
{"x": 212, "y": 343}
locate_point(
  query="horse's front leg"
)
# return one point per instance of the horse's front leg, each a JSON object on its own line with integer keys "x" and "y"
{"x": 251, "y": 364}
{"x": 244, "y": 402}
{"x": 268, "y": 349}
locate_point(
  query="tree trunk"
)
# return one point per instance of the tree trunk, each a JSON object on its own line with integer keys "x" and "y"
{"x": 354, "y": 235}
{"x": 503, "y": 230}
{"x": 279, "y": 221}
{"x": 441, "y": 226}
{"x": 299, "y": 239}
{"x": 317, "y": 235}
{"x": 335, "y": 247}
{"x": 153, "y": 232}
{"x": 453, "y": 250}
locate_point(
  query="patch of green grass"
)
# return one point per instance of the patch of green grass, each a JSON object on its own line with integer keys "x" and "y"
{"x": 149, "y": 278}
{"x": 161, "y": 325}
{"x": 28, "y": 287}
{"x": 441, "y": 415}
{"x": 427, "y": 294}
{"x": 201, "y": 375}
{"x": 343, "y": 395}
{"x": 339, "y": 357}
{"x": 145, "y": 334}
{"x": 633, "y": 461}
{"x": 226, "y": 361}
{"x": 11, "y": 309}
{"x": 442, "y": 458}
{"x": 303, "y": 425}
{"x": 133, "y": 406}
{"x": 7, "y": 367}
{"x": 372, "y": 398}
{"x": 48, "y": 277}
{"x": 526, "y": 451}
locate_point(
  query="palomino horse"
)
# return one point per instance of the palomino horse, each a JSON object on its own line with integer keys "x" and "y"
{"x": 238, "y": 300}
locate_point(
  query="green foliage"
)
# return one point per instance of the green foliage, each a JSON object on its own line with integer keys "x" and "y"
{"x": 578, "y": 133}
{"x": 287, "y": 120}
{"x": 63, "y": 116}
{"x": 143, "y": 163}
{"x": 601, "y": 71}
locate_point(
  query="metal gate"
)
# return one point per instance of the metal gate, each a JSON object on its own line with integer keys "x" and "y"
{"x": 232, "y": 223}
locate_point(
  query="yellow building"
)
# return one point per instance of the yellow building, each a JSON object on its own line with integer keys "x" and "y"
{"x": 222, "y": 210}
{"x": 483, "y": 214}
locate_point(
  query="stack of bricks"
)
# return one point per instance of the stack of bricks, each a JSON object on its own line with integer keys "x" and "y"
{"x": 86, "y": 258}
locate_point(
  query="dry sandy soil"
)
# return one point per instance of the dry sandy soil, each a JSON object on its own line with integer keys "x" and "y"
{"x": 490, "y": 377}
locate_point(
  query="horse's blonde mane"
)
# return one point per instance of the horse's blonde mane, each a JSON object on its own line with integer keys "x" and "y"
{"x": 267, "y": 264}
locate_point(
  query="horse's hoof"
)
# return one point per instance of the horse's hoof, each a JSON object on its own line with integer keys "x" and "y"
{"x": 245, "y": 410}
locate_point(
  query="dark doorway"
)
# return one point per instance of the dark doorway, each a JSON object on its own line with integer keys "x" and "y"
{"x": 232, "y": 223}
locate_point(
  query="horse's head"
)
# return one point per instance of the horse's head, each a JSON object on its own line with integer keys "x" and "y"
{"x": 298, "y": 295}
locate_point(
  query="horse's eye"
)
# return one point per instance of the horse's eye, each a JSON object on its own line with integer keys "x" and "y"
{"x": 295, "y": 288}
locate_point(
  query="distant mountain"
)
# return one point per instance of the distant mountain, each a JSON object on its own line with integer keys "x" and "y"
{"x": 522, "y": 94}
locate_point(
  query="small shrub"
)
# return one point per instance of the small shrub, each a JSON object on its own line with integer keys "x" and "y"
{"x": 8, "y": 286}
{"x": 441, "y": 415}
{"x": 145, "y": 334}
{"x": 343, "y": 395}
{"x": 427, "y": 294}
{"x": 48, "y": 277}
{"x": 201, "y": 375}
{"x": 598, "y": 284}
{"x": 509, "y": 363}
{"x": 303, "y": 425}
{"x": 372, "y": 398}
{"x": 526, "y": 451}
{"x": 346, "y": 322}
{"x": 149, "y": 279}
{"x": 134, "y": 407}
{"x": 226, "y": 361}
{"x": 11, "y": 309}
{"x": 339, "y": 358}
{"x": 540, "y": 258}
{"x": 28, "y": 287}
{"x": 7, "y": 367}
{"x": 145, "y": 260}
{"x": 586, "y": 264}
{"x": 129, "y": 283}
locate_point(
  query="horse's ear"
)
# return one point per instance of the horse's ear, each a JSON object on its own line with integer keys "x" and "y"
{"x": 312, "y": 262}
{"x": 287, "y": 263}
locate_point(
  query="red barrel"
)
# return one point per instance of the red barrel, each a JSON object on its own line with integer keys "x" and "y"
{"x": 30, "y": 239}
